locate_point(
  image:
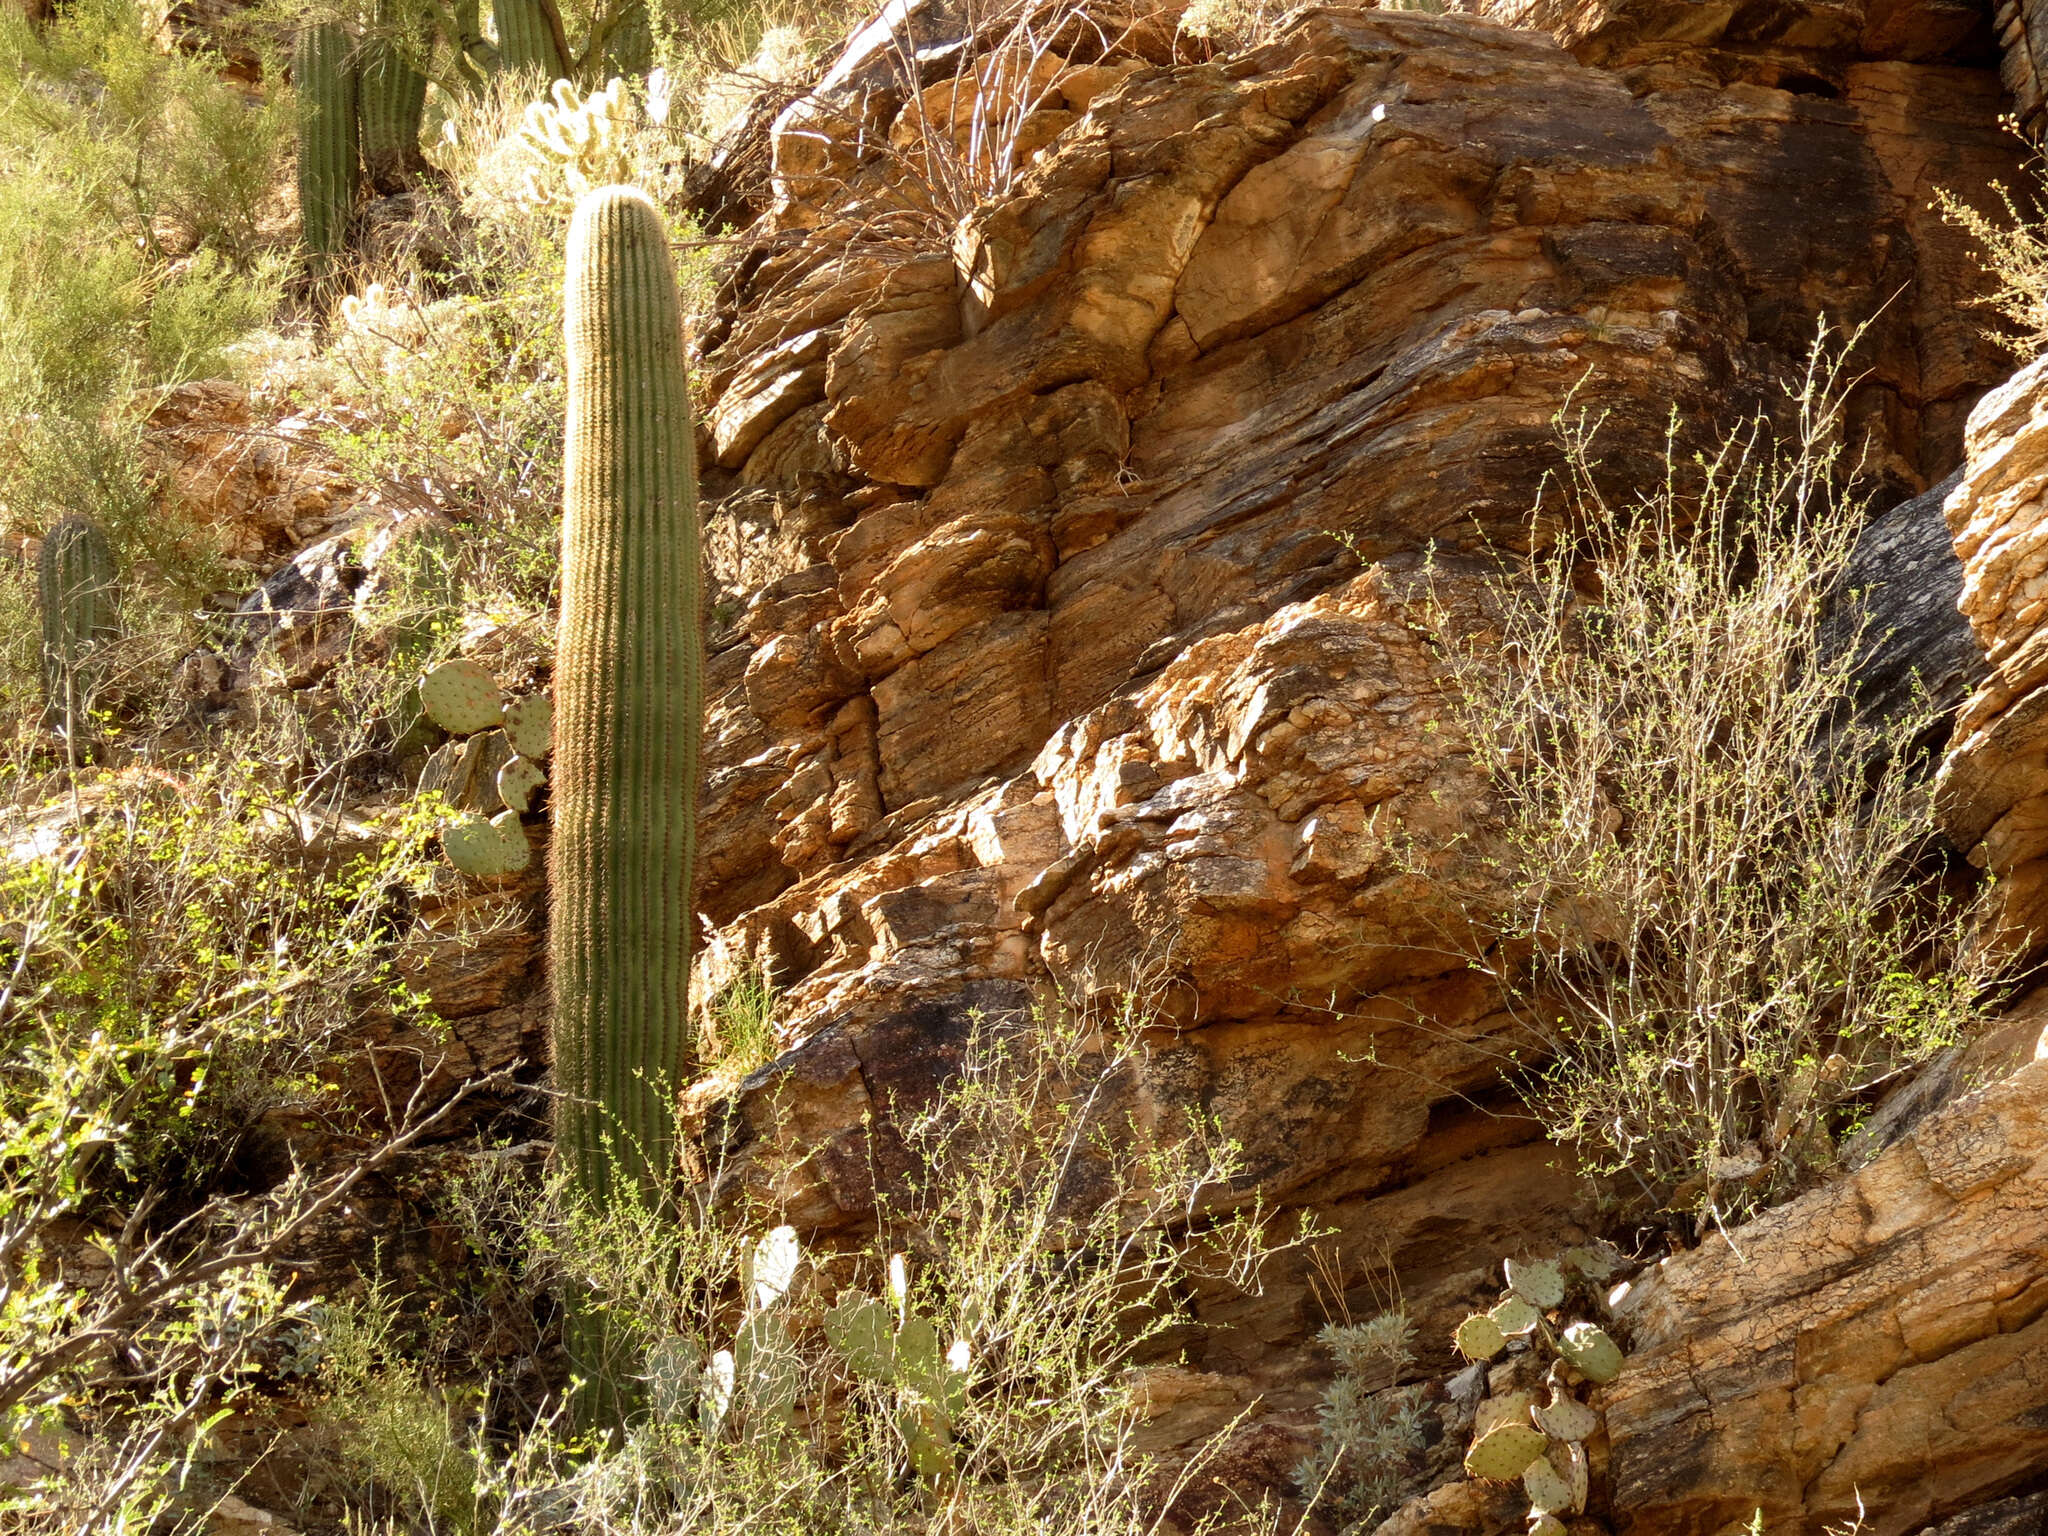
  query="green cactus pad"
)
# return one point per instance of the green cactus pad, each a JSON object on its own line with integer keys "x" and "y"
{"x": 931, "y": 1453}
{"x": 1578, "y": 1472}
{"x": 1500, "y": 1455}
{"x": 530, "y": 723}
{"x": 480, "y": 849}
{"x": 1479, "y": 1337}
{"x": 518, "y": 851}
{"x": 1594, "y": 1263}
{"x": 769, "y": 1267}
{"x": 461, "y": 697}
{"x": 1548, "y": 1490}
{"x": 1543, "y": 1523}
{"x": 862, "y": 1330}
{"x": 1589, "y": 1348}
{"x": 1508, "y": 1408}
{"x": 518, "y": 782}
{"x": 1536, "y": 1281}
{"x": 920, "y": 1358}
{"x": 1565, "y": 1418}
{"x": 673, "y": 1376}
{"x": 1515, "y": 1316}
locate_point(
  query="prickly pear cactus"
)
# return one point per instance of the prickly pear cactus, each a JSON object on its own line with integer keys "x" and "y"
{"x": 461, "y": 697}
{"x": 519, "y": 781}
{"x": 1501, "y": 1455}
{"x": 392, "y": 101}
{"x": 1565, "y": 1418}
{"x": 1515, "y": 1437}
{"x": 1539, "y": 1283}
{"x": 1479, "y": 1337}
{"x": 887, "y": 1345}
{"x": 75, "y": 584}
{"x": 1515, "y": 1316}
{"x": 487, "y": 850}
{"x": 1549, "y": 1491}
{"x": 1589, "y": 1348}
{"x": 324, "y": 71}
{"x": 530, "y": 725}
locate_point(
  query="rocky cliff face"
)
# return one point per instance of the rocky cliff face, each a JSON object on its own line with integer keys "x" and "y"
{"x": 1076, "y": 652}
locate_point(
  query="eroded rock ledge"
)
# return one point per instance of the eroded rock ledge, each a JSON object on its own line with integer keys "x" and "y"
{"x": 1881, "y": 1339}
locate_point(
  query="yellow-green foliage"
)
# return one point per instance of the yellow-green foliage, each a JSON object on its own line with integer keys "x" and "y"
{"x": 174, "y": 961}
{"x": 2015, "y": 254}
{"x": 1027, "y": 1309}
{"x": 132, "y": 181}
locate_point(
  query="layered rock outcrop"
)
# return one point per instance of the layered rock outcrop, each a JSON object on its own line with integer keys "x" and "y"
{"x": 1078, "y": 647}
{"x": 1995, "y": 800}
{"x": 1878, "y": 1349}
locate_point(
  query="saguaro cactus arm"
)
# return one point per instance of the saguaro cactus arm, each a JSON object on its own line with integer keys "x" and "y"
{"x": 392, "y": 99}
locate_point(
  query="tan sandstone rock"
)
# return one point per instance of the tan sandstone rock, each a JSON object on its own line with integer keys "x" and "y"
{"x": 1080, "y": 650}
{"x": 1994, "y": 800}
{"x": 1881, "y": 1340}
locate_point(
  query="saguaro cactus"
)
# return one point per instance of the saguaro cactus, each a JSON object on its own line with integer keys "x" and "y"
{"x": 629, "y": 703}
{"x": 324, "y": 70}
{"x": 526, "y": 40}
{"x": 75, "y": 582}
{"x": 393, "y": 99}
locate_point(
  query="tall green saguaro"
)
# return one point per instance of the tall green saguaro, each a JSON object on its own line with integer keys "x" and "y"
{"x": 75, "y": 583}
{"x": 526, "y": 39}
{"x": 392, "y": 100}
{"x": 324, "y": 70}
{"x": 629, "y": 705}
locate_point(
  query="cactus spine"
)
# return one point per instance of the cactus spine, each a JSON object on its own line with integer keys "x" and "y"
{"x": 393, "y": 99}
{"x": 324, "y": 69}
{"x": 629, "y": 703}
{"x": 75, "y": 583}
{"x": 526, "y": 40}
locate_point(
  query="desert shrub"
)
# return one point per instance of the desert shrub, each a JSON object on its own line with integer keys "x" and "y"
{"x": 1724, "y": 926}
{"x": 164, "y": 148}
{"x": 1369, "y": 1430}
{"x": 132, "y": 256}
{"x": 2015, "y": 256}
{"x": 1041, "y": 1241}
{"x": 174, "y": 954}
{"x": 738, "y": 1031}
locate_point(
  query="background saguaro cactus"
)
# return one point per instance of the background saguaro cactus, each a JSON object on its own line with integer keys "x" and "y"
{"x": 324, "y": 70}
{"x": 75, "y": 584}
{"x": 629, "y": 708}
{"x": 392, "y": 100}
{"x": 526, "y": 39}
